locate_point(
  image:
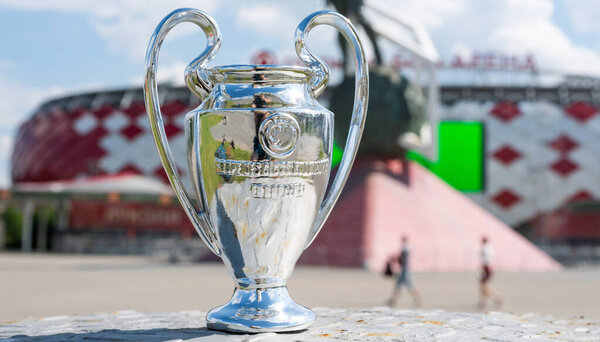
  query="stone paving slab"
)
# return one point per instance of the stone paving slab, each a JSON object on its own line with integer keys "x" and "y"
{"x": 368, "y": 324}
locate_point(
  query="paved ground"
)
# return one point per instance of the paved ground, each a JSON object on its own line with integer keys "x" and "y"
{"x": 332, "y": 324}
{"x": 39, "y": 285}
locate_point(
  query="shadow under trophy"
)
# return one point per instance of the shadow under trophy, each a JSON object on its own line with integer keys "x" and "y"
{"x": 259, "y": 152}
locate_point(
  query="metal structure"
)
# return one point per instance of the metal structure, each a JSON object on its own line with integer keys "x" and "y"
{"x": 399, "y": 104}
{"x": 259, "y": 151}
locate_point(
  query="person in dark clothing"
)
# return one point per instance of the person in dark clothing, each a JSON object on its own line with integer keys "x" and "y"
{"x": 404, "y": 277}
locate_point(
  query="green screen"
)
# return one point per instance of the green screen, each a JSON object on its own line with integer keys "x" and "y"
{"x": 336, "y": 158}
{"x": 460, "y": 155}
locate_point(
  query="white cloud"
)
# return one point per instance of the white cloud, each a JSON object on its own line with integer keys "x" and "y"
{"x": 271, "y": 20}
{"x": 17, "y": 100}
{"x": 172, "y": 73}
{"x": 460, "y": 27}
{"x": 511, "y": 26}
{"x": 432, "y": 14}
{"x": 125, "y": 24}
{"x": 584, "y": 15}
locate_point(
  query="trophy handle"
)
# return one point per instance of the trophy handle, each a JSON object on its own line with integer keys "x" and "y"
{"x": 361, "y": 97}
{"x": 207, "y": 24}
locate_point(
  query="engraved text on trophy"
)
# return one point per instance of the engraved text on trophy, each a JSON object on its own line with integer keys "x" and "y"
{"x": 270, "y": 168}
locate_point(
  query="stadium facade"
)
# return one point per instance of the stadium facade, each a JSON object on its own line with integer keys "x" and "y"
{"x": 529, "y": 155}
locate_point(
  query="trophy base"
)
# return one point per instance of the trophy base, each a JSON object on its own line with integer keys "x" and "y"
{"x": 260, "y": 310}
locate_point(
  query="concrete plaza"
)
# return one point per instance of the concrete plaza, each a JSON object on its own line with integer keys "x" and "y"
{"x": 39, "y": 285}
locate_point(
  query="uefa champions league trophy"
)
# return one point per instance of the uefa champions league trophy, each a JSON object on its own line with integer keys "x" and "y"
{"x": 259, "y": 151}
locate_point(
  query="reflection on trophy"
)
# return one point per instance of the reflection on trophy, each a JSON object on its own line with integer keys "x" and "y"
{"x": 259, "y": 154}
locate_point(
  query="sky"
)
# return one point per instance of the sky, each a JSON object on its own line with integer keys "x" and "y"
{"x": 51, "y": 48}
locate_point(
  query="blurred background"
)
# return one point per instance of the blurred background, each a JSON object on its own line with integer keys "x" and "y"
{"x": 484, "y": 120}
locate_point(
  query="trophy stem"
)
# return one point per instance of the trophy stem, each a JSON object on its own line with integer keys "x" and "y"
{"x": 260, "y": 310}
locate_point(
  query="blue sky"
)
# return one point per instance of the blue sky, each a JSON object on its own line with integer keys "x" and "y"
{"x": 56, "y": 47}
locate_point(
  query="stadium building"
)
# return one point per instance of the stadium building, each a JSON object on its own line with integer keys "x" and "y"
{"x": 528, "y": 155}
{"x": 525, "y": 152}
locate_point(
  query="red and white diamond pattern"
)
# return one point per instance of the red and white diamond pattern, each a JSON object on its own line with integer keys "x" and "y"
{"x": 538, "y": 155}
{"x": 506, "y": 155}
{"x": 89, "y": 142}
{"x": 130, "y": 146}
{"x": 85, "y": 124}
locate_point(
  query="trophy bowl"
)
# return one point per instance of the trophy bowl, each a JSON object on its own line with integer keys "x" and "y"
{"x": 259, "y": 152}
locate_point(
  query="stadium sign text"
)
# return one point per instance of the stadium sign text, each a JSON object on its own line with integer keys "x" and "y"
{"x": 477, "y": 61}
{"x": 480, "y": 61}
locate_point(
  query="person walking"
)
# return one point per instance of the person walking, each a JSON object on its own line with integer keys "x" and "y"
{"x": 485, "y": 290}
{"x": 404, "y": 277}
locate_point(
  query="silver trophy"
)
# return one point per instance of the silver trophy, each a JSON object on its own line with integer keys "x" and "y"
{"x": 259, "y": 155}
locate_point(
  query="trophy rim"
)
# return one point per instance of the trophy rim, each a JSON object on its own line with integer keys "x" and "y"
{"x": 261, "y": 73}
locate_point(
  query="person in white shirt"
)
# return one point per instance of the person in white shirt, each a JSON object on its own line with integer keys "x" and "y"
{"x": 485, "y": 290}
